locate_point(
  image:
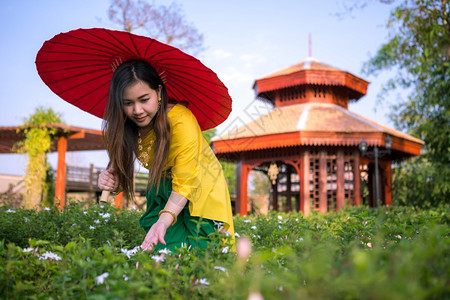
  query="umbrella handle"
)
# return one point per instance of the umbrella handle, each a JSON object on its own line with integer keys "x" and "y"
{"x": 104, "y": 197}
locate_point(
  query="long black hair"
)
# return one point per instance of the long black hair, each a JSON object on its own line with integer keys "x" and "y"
{"x": 121, "y": 134}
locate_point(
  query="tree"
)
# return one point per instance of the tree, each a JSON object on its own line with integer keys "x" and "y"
{"x": 37, "y": 143}
{"x": 419, "y": 52}
{"x": 166, "y": 24}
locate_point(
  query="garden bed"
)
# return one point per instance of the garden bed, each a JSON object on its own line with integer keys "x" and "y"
{"x": 356, "y": 253}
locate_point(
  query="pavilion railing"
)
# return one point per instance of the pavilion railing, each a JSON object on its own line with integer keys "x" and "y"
{"x": 81, "y": 179}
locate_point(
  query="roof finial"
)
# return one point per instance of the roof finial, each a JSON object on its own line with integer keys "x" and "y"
{"x": 310, "y": 51}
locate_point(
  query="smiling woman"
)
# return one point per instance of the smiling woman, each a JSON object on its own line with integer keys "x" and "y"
{"x": 187, "y": 194}
{"x": 141, "y": 103}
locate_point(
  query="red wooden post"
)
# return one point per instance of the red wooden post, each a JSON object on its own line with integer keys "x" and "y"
{"x": 118, "y": 200}
{"x": 340, "y": 180}
{"x": 305, "y": 201}
{"x": 323, "y": 203}
{"x": 242, "y": 170}
{"x": 60, "y": 186}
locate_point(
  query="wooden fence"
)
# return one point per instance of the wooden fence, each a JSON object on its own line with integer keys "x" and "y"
{"x": 80, "y": 179}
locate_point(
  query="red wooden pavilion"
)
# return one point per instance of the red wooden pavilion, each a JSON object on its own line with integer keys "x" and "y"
{"x": 67, "y": 138}
{"x": 308, "y": 143}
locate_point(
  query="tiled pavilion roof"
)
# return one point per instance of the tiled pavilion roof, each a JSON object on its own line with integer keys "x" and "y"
{"x": 79, "y": 139}
{"x": 312, "y": 124}
{"x": 311, "y": 72}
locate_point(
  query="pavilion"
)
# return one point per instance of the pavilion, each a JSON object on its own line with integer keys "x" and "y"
{"x": 67, "y": 138}
{"x": 308, "y": 143}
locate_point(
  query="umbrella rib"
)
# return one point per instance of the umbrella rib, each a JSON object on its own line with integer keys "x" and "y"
{"x": 180, "y": 92}
{"x": 212, "y": 99}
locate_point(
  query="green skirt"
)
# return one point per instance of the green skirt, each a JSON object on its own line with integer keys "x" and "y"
{"x": 188, "y": 230}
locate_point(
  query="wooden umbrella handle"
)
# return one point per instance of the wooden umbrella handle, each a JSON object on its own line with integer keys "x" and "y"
{"x": 104, "y": 197}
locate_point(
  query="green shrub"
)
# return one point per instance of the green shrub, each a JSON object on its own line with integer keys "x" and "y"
{"x": 355, "y": 253}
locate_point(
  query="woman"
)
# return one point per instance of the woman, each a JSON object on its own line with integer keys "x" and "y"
{"x": 137, "y": 84}
{"x": 186, "y": 182}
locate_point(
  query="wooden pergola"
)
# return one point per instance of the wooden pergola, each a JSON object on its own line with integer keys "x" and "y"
{"x": 67, "y": 138}
{"x": 308, "y": 143}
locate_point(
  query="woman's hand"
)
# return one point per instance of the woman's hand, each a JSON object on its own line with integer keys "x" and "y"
{"x": 108, "y": 180}
{"x": 157, "y": 232}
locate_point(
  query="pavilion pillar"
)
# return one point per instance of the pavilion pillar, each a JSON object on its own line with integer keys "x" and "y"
{"x": 323, "y": 203}
{"x": 60, "y": 185}
{"x": 242, "y": 171}
{"x": 356, "y": 179}
{"x": 340, "y": 179}
{"x": 388, "y": 187}
{"x": 305, "y": 202}
{"x": 118, "y": 200}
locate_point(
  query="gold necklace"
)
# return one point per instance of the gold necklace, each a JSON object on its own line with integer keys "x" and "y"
{"x": 144, "y": 156}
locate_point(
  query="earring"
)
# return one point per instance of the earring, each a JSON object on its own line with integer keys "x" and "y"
{"x": 159, "y": 103}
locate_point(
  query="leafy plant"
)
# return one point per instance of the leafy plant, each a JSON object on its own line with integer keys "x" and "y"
{"x": 354, "y": 253}
{"x": 37, "y": 143}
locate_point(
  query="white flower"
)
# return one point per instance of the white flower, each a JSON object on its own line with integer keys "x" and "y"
{"x": 49, "y": 255}
{"x": 158, "y": 258}
{"x": 131, "y": 252}
{"x": 369, "y": 244}
{"x": 279, "y": 226}
{"x": 202, "y": 281}
{"x": 105, "y": 215}
{"x": 398, "y": 236}
{"x": 225, "y": 250}
{"x": 97, "y": 221}
{"x": 125, "y": 277}
{"x": 85, "y": 212}
{"x": 101, "y": 206}
{"x": 47, "y": 209}
{"x": 164, "y": 251}
{"x": 26, "y": 219}
{"x": 220, "y": 268}
{"x": 280, "y": 217}
{"x": 91, "y": 227}
{"x": 29, "y": 249}
{"x": 253, "y": 227}
{"x": 100, "y": 279}
{"x": 10, "y": 211}
{"x": 237, "y": 235}
{"x": 300, "y": 240}
{"x": 247, "y": 221}
{"x": 74, "y": 224}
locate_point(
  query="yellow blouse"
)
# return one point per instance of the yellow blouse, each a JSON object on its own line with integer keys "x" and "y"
{"x": 196, "y": 173}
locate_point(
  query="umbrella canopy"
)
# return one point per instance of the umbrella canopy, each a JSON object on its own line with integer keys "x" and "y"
{"x": 78, "y": 67}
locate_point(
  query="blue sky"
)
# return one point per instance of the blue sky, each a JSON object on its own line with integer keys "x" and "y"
{"x": 244, "y": 40}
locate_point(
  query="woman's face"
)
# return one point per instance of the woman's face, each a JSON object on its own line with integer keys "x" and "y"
{"x": 140, "y": 103}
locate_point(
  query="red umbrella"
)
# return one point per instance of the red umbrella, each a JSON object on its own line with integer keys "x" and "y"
{"x": 78, "y": 66}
